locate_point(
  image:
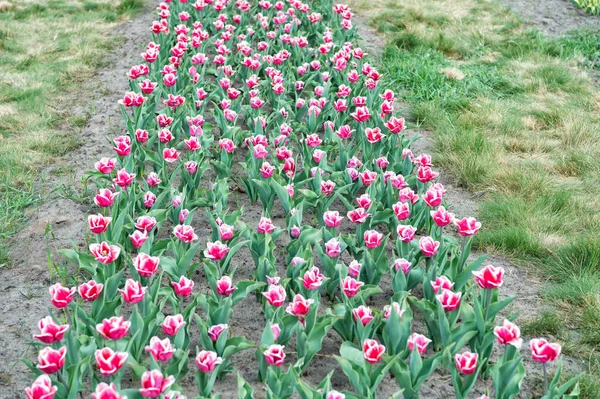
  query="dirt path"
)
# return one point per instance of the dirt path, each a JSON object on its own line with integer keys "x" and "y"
{"x": 23, "y": 285}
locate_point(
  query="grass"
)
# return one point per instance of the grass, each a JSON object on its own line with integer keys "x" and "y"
{"x": 590, "y": 6}
{"x": 518, "y": 119}
{"x": 48, "y": 49}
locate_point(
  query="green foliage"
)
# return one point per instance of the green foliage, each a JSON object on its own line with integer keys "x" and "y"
{"x": 590, "y": 6}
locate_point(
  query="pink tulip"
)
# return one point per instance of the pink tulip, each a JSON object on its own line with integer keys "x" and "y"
{"x": 214, "y": 332}
{"x": 373, "y": 239}
{"x": 428, "y": 246}
{"x": 114, "y": 328}
{"x": 327, "y": 187}
{"x": 109, "y": 361}
{"x": 374, "y": 135}
{"x": 467, "y": 226}
{"x": 105, "y": 253}
{"x": 50, "y": 331}
{"x": 149, "y": 199}
{"x": 402, "y": 264}
{"x": 441, "y": 283}
{"x": 161, "y": 350}
{"x": 313, "y": 278}
{"x": 138, "y": 238}
{"x": 98, "y": 223}
{"x": 466, "y": 363}
{"x": 395, "y": 306}
{"x": 266, "y": 170}
{"x": 185, "y": 233}
{"x": 105, "y": 198}
{"x": 275, "y": 295}
{"x": 543, "y": 351}
{"x": 332, "y": 218}
{"x": 207, "y": 361}
{"x": 333, "y": 248}
{"x": 354, "y": 269}
{"x": 358, "y": 215}
{"x": 133, "y": 292}
{"x": 105, "y": 391}
{"x": 489, "y": 277}
{"x": 51, "y": 360}
{"x": 226, "y": 232}
{"x": 508, "y": 334}
{"x": 373, "y": 351}
{"x": 170, "y": 155}
{"x": 172, "y": 324}
{"x": 299, "y": 307}
{"x": 41, "y": 388}
{"x": 105, "y": 165}
{"x": 183, "y": 287}
{"x": 145, "y": 223}
{"x": 226, "y": 145}
{"x": 224, "y": 286}
{"x": 425, "y": 174}
{"x": 401, "y": 210}
{"x": 90, "y": 291}
{"x": 335, "y": 395}
{"x": 275, "y": 330}
{"x": 122, "y": 145}
{"x": 368, "y": 177}
{"x": 351, "y": 286}
{"x": 441, "y": 217}
{"x": 362, "y": 314}
{"x": 419, "y": 341}
{"x": 216, "y": 251}
{"x": 395, "y": 125}
{"x": 61, "y": 296}
{"x": 274, "y": 355}
{"x": 364, "y": 201}
{"x": 265, "y": 226}
{"x": 124, "y": 178}
{"x": 154, "y": 384}
{"x": 145, "y": 264}
{"x": 449, "y": 300}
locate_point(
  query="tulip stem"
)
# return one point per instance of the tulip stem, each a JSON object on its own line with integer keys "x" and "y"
{"x": 62, "y": 379}
{"x": 545, "y": 377}
{"x": 488, "y": 300}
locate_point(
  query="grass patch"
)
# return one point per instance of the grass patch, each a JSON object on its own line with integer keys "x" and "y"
{"x": 522, "y": 123}
{"x": 48, "y": 50}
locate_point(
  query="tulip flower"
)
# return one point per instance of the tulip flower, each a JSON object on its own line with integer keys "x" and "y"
{"x": 225, "y": 286}
{"x": 106, "y": 391}
{"x": 354, "y": 269}
{"x": 333, "y": 248}
{"x": 466, "y": 363}
{"x": 428, "y": 246}
{"x": 299, "y": 307}
{"x": 274, "y": 355}
{"x": 61, "y": 296}
{"x": 41, "y": 388}
{"x": 313, "y": 278}
{"x": 145, "y": 264}
{"x": 441, "y": 283}
{"x": 543, "y": 351}
{"x": 358, "y": 215}
{"x": 98, "y": 223}
{"x": 114, "y": 328}
{"x": 50, "y": 331}
{"x": 145, "y": 223}
{"x": 105, "y": 165}
{"x": 51, "y": 360}
{"x": 362, "y": 314}
{"x": 351, "y": 286}
{"x": 449, "y": 300}
{"x": 90, "y": 291}
{"x": 467, "y": 226}
{"x": 508, "y": 334}
{"x": 138, "y": 238}
{"x": 172, "y": 324}
{"x": 332, "y": 218}
{"x": 216, "y": 251}
{"x": 441, "y": 217}
{"x": 214, "y": 332}
{"x": 275, "y": 295}
{"x": 265, "y": 226}
{"x": 183, "y": 287}
{"x": 105, "y": 253}
{"x": 185, "y": 233}
{"x": 275, "y": 330}
{"x": 403, "y": 265}
{"x": 207, "y": 361}
{"x": 133, "y": 292}
{"x": 395, "y": 306}
{"x": 406, "y": 233}
{"x": 373, "y": 239}
{"x": 154, "y": 383}
{"x": 161, "y": 350}
{"x": 489, "y": 277}
{"x": 335, "y": 395}
{"x": 109, "y": 361}
{"x": 419, "y": 341}
{"x": 373, "y": 351}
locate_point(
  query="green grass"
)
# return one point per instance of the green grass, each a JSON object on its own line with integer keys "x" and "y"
{"x": 48, "y": 50}
{"x": 514, "y": 116}
{"x": 590, "y": 6}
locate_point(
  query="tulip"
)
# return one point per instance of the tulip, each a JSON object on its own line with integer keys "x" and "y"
{"x": 109, "y": 361}
{"x": 145, "y": 223}
{"x": 467, "y": 226}
{"x": 214, "y": 332}
{"x": 402, "y": 264}
{"x": 225, "y": 287}
{"x": 428, "y": 246}
{"x": 362, "y": 314}
{"x": 138, "y": 238}
{"x": 425, "y": 174}
{"x": 183, "y": 287}
{"x": 419, "y": 341}
{"x": 149, "y": 199}
{"x": 406, "y": 233}
{"x": 373, "y": 351}
{"x": 395, "y": 125}
{"x": 450, "y": 300}
{"x": 216, "y": 251}
{"x": 90, "y": 291}
{"x": 401, "y": 210}
{"x": 172, "y": 324}
{"x": 387, "y": 310}
{"x": 226, "y": 232}
{"x": 335, "y": 395}
{"x": 275, "y": 330}
{"x": 441, "y": 283}
{"x": 161, "y": 350}
{"x": 114, "y": 328}
{"x": 50, "y": 331}
{"x": 41, "y": 388}
{"x": 373, "y": 239}
{"x": 466, "y": 363}
{"x": 51, "y": 360}
{"x": 333, "y": 248}
{"x": 332, "y": 218}
{"x": 274, "y": 355}
{"x": 299, "y": 307}
{"x": 98, "y": 223}
{"x": 354, "y": 269}
{"x": 105, "y": 253}
{"x": 207, "y": 361}
{"x": 374, "y": 135}
{"x": 508, "y": 334}
{"x": 133, "y": 292}
{"x": 265, "y": 226}
{"x": 105, "y": 165}
{"x": 358, "y": 215}
{"x": 368, "y": 177}
{"x": 105, "y": 391}
{"x": 313, "y": 278}
{"x": 105, "y": 198}
{"x": 351, "y": 286}
{"x": 543, "y": 351}
{"x": 61, "y": 296}
{"x": 275, "y": 295}
{"x": 327, "y": 187}
{"x": 185, "y": 233}
{"x": 441, "y": 217}
{"x": 124, "y": 178}
{"x": 489, "y": 277}
{"x": 145, "y": 264}
{"x": 154, "y": 384}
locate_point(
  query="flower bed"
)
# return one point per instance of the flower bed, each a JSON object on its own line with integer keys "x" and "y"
{"x": 275, "y": 102}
